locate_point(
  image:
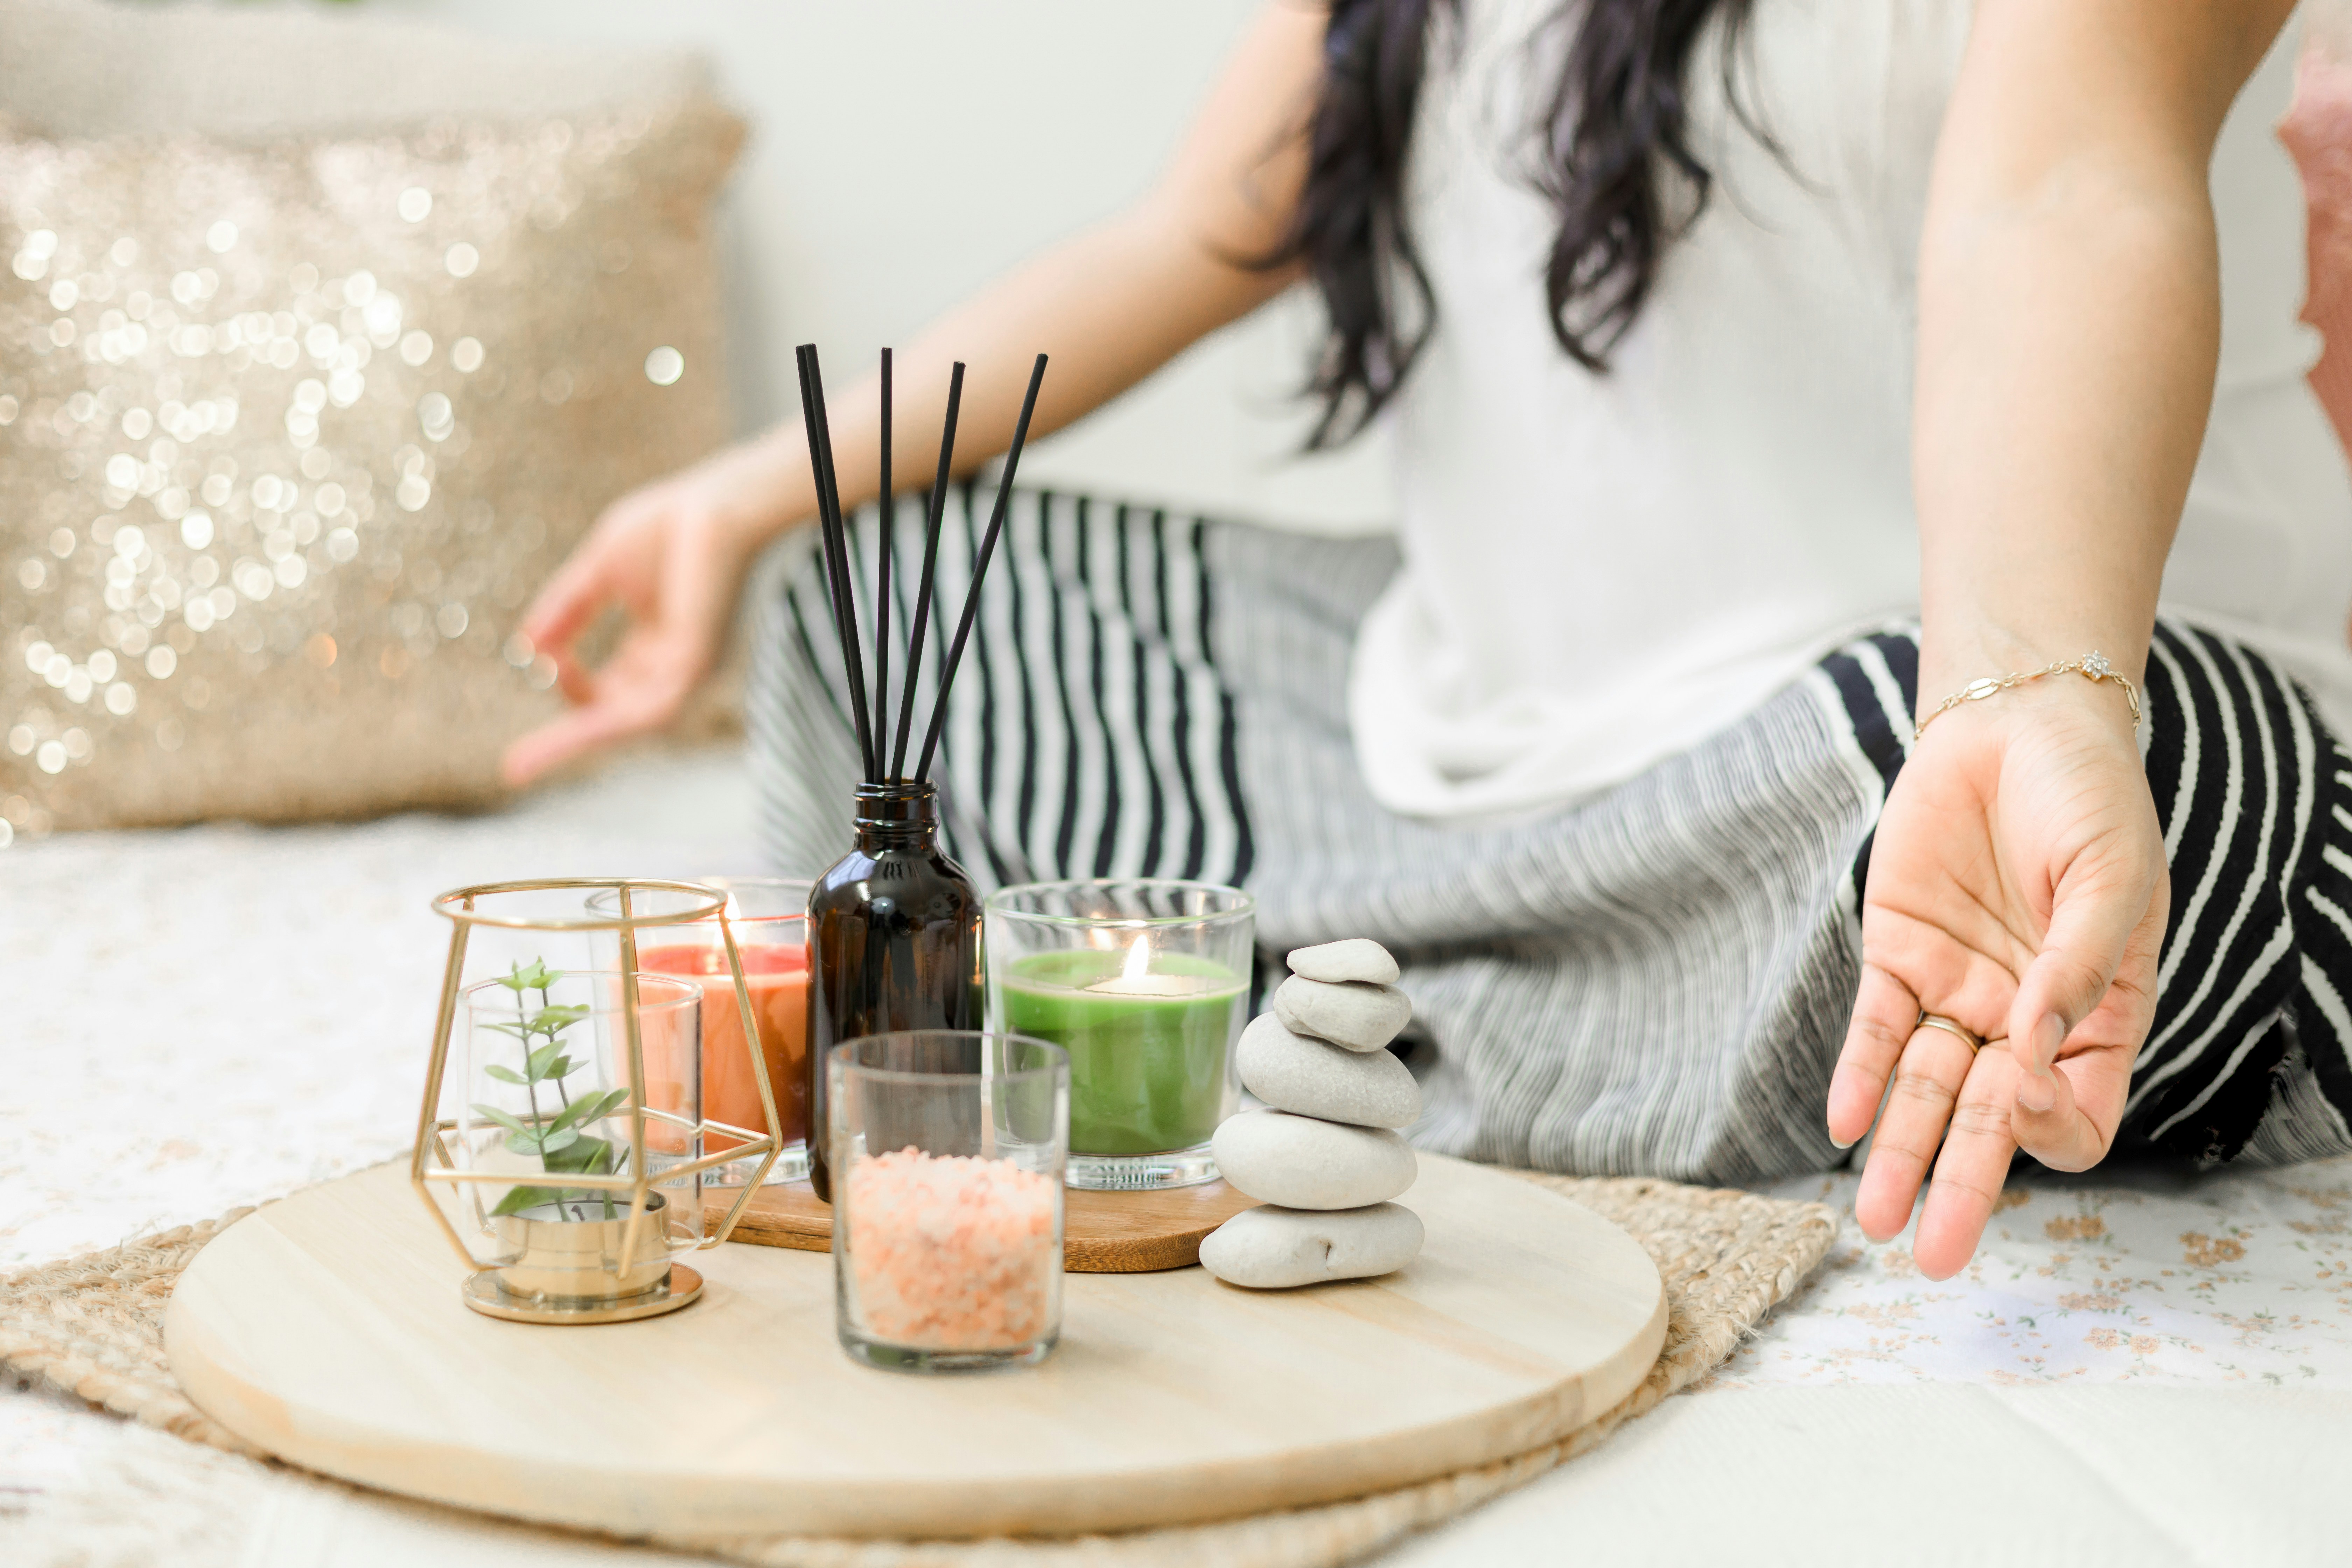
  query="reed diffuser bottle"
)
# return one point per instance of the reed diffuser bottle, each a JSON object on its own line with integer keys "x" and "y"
{"x": 893, "y": 927}
{"x": 894, "y": 940}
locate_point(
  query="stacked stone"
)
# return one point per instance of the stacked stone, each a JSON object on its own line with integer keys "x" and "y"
{"x": 1325, "y": 1157}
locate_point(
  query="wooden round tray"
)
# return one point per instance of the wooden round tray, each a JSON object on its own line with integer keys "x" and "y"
{"x": 327, "y": 1330}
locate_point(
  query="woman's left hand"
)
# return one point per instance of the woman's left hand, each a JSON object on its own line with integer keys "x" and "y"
{"x": 2018, "y": 886}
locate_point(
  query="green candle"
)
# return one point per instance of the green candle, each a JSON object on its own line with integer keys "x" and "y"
{"x": 1147, "y": 1044}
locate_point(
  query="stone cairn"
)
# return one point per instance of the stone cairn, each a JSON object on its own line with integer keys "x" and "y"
{"x": 1325, "y": 1157}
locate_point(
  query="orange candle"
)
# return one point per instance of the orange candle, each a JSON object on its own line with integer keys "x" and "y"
{"x": 777, "y": 976}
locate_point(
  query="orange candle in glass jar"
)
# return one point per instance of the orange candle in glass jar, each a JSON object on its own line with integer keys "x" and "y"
{"x": 777, "y": 976}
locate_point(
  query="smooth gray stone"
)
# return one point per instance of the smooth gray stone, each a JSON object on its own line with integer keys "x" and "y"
{"x": 1357, "y": 958}
{"x": 1273, "y": 1248}
{"x": 1304, "y": 1163}
{"x": 1295, "y": 1073}
{"x": 1352, "y": 1014}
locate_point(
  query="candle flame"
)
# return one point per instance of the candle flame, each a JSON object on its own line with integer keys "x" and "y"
{"x": 1138, "y": 960}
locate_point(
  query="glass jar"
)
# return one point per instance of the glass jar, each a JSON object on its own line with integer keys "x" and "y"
{"x": 547, "y": 1104}
{"x": 769, "y": 916}
{"x": 947, "y": 1149}
{"x": 1146, "y": 983}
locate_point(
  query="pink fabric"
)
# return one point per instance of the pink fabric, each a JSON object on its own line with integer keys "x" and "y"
{"x": 2318, "y": 131}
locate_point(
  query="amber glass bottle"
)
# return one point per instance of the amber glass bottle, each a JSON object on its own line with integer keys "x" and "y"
{"x": 894, "y": 940}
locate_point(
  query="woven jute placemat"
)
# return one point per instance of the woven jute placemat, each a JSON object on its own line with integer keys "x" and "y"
{"x": 93, "y": 1326}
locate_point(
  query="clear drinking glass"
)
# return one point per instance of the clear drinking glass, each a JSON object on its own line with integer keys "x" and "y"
{"x": 1146, "y": 983}
{"x": 946, "y": 1149}
{"x": 769, "y": 917}
{"x": 547, "y": 1099}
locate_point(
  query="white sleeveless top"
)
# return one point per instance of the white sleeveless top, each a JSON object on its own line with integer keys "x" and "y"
{"x": 1603, "y": 570}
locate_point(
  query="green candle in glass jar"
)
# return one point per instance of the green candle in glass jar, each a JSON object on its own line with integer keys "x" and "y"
{"x": 1148, "y": 1035}
{"x": 1145, "y": 983}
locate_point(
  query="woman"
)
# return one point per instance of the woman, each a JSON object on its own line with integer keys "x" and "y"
{"x": 1721, "y": 337}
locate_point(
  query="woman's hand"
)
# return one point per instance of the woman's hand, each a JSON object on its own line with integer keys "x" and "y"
{"x": 672, "y": 555}
{"x": 2017, "y": 886}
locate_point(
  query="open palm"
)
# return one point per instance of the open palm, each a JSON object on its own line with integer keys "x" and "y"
{"x": 2017, "y": 886}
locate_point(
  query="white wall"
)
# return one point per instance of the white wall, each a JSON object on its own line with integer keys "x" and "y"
{"x": 904, "y": 153}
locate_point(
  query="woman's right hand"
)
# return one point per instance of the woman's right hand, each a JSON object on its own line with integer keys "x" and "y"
{"x": 672, "y": 555}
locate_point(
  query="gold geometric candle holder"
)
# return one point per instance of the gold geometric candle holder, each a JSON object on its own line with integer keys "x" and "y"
{"x": 569, "y": 1178}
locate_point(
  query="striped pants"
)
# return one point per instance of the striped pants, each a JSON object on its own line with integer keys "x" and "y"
{"x": 1656, "y": 981}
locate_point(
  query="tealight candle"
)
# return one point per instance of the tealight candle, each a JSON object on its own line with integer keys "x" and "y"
{"x": 1146, "y": 985}
{"x": 1134, "y": 978}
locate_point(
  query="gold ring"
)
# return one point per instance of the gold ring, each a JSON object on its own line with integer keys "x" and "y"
{"x": 1950, "y": 1026}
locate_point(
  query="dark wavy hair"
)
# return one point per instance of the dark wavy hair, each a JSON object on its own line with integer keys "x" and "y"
{"x": 1612, "y": 157}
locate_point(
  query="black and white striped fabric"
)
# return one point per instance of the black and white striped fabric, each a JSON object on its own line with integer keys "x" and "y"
{"x": 1091, "y": 732}
{"x": 1654, "y": 982}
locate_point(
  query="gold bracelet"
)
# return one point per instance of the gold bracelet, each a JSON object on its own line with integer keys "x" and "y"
{"x": 2093, "y": 666}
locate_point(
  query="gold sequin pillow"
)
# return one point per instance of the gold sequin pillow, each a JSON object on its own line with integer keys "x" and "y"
{"x": 289, "y": 433}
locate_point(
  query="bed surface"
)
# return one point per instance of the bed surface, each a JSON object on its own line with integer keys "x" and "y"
{"x": 2142, "y": 1367}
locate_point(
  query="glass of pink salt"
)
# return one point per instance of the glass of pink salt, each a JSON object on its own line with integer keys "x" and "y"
{"x": 948, "y": 1148}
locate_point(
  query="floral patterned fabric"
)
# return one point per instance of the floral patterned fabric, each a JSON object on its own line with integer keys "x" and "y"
{"x": 2236, "y": 1278}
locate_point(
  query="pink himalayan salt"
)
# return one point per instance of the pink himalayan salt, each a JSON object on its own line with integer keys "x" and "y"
{"x": 951, "y": 1252}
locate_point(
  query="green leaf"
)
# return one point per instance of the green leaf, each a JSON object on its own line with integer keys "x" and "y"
{"x": 513, "y": 980}
{"x": 561, "y": 1067}
{"x": 520, "y": 1198}
{"x": 588, "y": 1156}
{"x": 504, "y": 1074}
{"x": 512, "y": 1123}
{"x": 554, "y": 1019}
{"x": 537, "y": 977}
{"x": 517, "y": 1030}
{"x": 587, "y": 1108}
{"x": 557, "y": 1138}
{"x": 538, "y": 1063}
{"x": 522, "y": 1142}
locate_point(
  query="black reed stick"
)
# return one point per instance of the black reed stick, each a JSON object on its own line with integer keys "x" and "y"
{"x": 930, "y": 559}
{"x": 848, "y": 578}
{"x": 979, "y": 570}
{"x": 882, "y": 588}
{"x": 836, "y": 552}
{"x": 824, "y": 528}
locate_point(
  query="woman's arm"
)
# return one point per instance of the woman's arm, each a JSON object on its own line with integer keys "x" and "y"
{"x": 1110, "y": 307}
{"x": 2069, "y": 319}
{"x": 2069, "y": 323}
